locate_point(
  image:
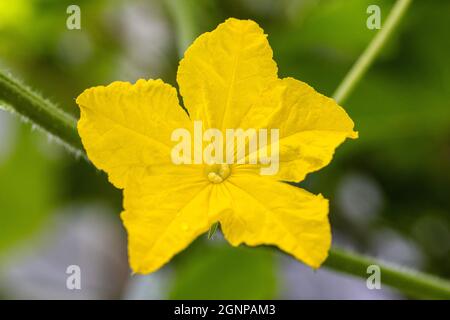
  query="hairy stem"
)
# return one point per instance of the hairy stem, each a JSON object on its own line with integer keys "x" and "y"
{"x": 366, "y": 59}
{"x": 43, "y": 114}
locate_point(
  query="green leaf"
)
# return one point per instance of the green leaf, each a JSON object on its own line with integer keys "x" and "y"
{"x": 220, "y": 271}
{"x": 27, "y": 189}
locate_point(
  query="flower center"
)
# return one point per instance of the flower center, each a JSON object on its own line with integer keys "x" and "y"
{"x": 217, "y": 173}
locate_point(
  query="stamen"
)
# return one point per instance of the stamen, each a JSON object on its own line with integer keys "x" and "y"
{"x": 217, "y": 173}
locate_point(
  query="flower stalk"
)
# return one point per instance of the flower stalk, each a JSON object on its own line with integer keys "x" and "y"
{"x": 43, "y": 114}
{"x": 366, "y": 59}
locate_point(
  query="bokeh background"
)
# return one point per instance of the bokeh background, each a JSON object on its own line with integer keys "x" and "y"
{"x": 389, "y": 190}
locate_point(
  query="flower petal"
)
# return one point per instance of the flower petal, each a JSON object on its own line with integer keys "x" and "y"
{"x": 164, "y": 214}
{"x": 311, "y": 126}
{"x": 224, "y": 71}
{"x": 293, "y": 219}
{"x": 126, "y": 126}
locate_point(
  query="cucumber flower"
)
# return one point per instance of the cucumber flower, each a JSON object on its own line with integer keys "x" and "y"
{"x": 228, "y": 80}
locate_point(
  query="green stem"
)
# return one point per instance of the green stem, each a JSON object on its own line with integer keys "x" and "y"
{"x": 213, "y": 229}
{"x": 40, "y": 112}
{"x": 413, "y": 283}
{"x": 410, "y": 282}
{"x": 368, "y": 56}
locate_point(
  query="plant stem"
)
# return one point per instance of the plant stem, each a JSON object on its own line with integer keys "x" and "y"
{"x": 412, "y": 283}
{"x": 212, "y": 230}
{"x": 43, "y": 114}
{"x": 368, "y": 56}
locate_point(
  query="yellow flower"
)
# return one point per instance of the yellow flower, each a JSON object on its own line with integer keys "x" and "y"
{"x": 227, "y": 79}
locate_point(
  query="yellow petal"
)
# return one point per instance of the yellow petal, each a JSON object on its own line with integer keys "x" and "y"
{"x": 163, "y": 214}
{"x": 268, "y": 212}
{"x": 224, "y": 71}
{"x": 127, "y": 127}
{"x": 311, "y": 126}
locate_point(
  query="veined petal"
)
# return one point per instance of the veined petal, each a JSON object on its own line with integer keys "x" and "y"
{"x": 224, "y": 71}
{"x": 163, "y": 214}
{"x": 126, "y": 127}
{"x": 311, "y": 126}
{"x": 269, "y": 212}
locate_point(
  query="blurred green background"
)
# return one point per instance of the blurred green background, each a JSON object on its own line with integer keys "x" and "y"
{"x": 389, "y": 190}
